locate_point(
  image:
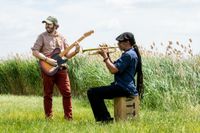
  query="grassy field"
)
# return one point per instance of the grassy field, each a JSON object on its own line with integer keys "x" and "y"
{"x": 25, "y": 114}
{"x": 171, "y": 101}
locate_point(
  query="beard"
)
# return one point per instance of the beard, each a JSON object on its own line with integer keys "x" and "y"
{"x": 49, "y": 30}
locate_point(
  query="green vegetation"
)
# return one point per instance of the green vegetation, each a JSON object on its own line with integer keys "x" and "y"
{"x": 20, "y": 76}
{"x": 25, "y": 114}
{"x": 170, "y": 104}
{"x": 169, "y": 83}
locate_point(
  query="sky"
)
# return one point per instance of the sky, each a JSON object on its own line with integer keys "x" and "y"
{"x": 149, "y": 20}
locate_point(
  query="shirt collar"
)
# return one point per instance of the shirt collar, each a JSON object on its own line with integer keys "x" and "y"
{"x": 55, "y": 35}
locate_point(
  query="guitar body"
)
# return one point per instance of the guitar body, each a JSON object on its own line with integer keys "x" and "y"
{"x": 57, "y": 55}
{"x": 49, "y": 69}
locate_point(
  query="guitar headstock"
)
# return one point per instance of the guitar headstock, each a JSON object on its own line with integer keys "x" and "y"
{"x": 88, "y": 33}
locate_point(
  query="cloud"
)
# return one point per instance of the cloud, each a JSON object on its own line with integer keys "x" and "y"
{"x": 150, "y": 20}
{"x": 120, "y": 3}
{"x": 110, "y": 24}
{"x": 154, "y": 4}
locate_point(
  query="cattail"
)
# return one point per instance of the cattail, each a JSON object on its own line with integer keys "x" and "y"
{"x": 190, "y": 52}
{"x": 170, "y": 42}
{"x": 169, "y": 53}
{"x": 182, "y": 46}
{"x": 190, "y": 40}
{"x": 169, "y": 46}
{"x": 151, "y": 46}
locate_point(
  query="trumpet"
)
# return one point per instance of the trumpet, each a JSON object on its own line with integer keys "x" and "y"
{"x": 94, "y": 51}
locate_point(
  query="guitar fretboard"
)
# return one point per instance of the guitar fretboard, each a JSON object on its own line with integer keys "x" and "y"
{"x": 71, "y": 46}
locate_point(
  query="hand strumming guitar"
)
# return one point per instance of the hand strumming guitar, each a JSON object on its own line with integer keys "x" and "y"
{"x": 51, "y": 61}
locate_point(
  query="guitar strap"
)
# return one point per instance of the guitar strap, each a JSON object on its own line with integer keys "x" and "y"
{"x": 58, "y": 41}
{"x": 59, "y": 45}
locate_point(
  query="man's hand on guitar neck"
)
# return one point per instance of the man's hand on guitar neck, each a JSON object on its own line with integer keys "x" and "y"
{"x": 71, "y": 53}
{"x": 51, "y": 61}
{"x": 77, "y": 48}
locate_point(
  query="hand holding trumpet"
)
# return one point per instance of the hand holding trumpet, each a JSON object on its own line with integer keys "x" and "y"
{"x": 103, "y": 51}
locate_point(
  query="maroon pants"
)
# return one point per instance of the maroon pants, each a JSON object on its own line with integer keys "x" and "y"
{"x": 61, "y": 79}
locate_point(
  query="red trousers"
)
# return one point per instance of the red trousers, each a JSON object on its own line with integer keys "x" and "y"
{"x": 61, "y": 79}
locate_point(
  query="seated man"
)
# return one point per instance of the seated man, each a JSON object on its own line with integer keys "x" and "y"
{"x": 124, "y": 70}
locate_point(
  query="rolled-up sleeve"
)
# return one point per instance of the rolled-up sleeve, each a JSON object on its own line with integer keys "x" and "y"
{"x": 123, "y": 62}
{"x": 38, "y": 43}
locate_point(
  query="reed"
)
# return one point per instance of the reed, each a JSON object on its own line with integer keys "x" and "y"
{"x": 171, "y": 82}
{"x": 174, "y": 49}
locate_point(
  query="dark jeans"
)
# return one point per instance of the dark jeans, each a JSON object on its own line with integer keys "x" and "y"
{"x": 97, "y": 95}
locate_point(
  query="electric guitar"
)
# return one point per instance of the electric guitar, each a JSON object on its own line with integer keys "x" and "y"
{"x": 58, "y": 56}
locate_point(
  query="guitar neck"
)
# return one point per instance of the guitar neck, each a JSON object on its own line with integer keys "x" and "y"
{"x": 71, "y": 46}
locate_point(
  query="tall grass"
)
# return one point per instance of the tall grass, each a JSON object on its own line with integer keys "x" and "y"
{"x": 20, "y": 76}
{"x": 169, "y": 83}
{"x": 86, "y": 72}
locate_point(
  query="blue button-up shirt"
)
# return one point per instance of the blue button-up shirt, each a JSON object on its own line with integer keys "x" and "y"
{"x": 126, "y": 65}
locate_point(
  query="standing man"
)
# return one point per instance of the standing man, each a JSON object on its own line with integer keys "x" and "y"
{"x": 44, "y": 45}
{"x": 124, "y": 70}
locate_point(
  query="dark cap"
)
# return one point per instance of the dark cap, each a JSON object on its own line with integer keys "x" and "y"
{"x": 51, "y": 20}
{"x": 126, "y": 36}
